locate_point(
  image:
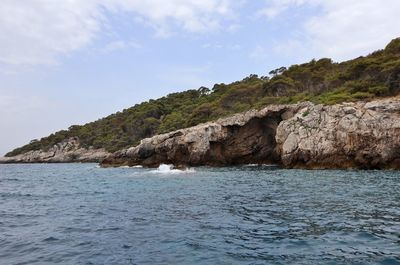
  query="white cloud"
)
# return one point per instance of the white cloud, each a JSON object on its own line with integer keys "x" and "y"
{"x": 343, "y": 29}
{"x": 218, "y": 46}
{"x": 276, "y": 7}
{"x": 38, "y": 32}
{"x": 162, "y": 15}
{"x": 118, "y": 45}
{"x": 348, "y": 28}
{"x": 34, "y": 32}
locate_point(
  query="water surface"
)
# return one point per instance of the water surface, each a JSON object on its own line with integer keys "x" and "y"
{"x": 80, "y": 214}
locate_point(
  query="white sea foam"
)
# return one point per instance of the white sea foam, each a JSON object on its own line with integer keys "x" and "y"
{"x": 169, "y": 169}
{"x": 257, "y": 165}
{"x": 130, "y": 167}
{"x": 252, "y": 165}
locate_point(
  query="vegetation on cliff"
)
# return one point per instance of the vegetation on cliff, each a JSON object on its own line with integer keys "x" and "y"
{"x": 319, "y": 81}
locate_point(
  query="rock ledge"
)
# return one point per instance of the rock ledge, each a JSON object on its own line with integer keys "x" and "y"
{"x": 67, "y": 151}
{"x": 349, "y": 135}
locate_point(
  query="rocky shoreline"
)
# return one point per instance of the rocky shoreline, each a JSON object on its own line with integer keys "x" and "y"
{"x": 363, "y": 135}
{"x": 67, "y": 151}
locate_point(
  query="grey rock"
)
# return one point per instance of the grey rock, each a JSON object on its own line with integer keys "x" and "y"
{"x": 243, "y": 138}
{"x": 66, "y": 151}
{"x": 304, "y": 135}
{"x": 350, "y": 135}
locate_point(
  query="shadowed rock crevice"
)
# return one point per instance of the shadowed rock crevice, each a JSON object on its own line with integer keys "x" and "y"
{"x": 247, "y": 138}
{"x": 253, "y": 143}
{"x": 362, "y": 135}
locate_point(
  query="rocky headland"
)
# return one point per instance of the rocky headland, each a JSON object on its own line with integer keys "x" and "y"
{"x": 362, "y": 135}
{"x": 67, "y": 151}
{"x": 325, "y": 134}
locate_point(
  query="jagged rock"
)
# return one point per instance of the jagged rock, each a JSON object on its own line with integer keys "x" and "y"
{"x": 68, "y": 150}
{"x": 349, "y": 135}
{"x": 240, "y": 139}
{"x": 304, "y": 135}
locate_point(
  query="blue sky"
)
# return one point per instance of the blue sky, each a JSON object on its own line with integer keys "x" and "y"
{"x": 74, "y": 61}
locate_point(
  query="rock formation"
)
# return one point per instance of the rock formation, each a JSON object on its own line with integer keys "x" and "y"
{"x": 240, "y": 139}
{"x": 304, "y": 135}
{"x": 348, "y": 135}
{"x": 68, "y": 150}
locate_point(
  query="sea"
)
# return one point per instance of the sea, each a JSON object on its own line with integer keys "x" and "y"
{"x": 83, "y": 214}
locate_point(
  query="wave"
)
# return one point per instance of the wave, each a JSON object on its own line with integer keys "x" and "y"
{"x": 131, "y": 166}
{"x": 252, "y": 165}
{"x": 169, "y": 169}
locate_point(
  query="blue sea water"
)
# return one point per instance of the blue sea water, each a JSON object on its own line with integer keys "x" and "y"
{"x": 81, "y": 214}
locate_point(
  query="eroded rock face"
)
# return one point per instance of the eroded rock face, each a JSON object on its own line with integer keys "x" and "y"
{"x": 240, "y": 139}
{"x": 348, "y": 135}
{"x": 63, "y": 152}
{"x": 304, "y": 135}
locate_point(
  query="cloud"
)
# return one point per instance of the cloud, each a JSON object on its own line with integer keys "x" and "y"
{"x": 276, "y": 7}
{"x": 349, "y": 27}
{"x": 190, "y": 15}
{"x": 118, "y": 45}
{"x": 38, "y": 32}
{"x": 218, "y": 46}
{"x": 342, "y": 29}
{"x": 35, "y": 31}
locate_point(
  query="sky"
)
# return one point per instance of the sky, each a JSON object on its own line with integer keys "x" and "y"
{"x": 74, "y": 61}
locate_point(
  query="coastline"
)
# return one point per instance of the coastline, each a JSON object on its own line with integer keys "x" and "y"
{"x": 67, "y": 151}
{"x": 356, "y": 135}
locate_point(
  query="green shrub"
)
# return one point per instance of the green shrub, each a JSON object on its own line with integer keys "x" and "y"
{"x": 319, "y": 81}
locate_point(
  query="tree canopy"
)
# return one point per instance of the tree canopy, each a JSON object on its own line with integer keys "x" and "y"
{"x": 319, "y": 81}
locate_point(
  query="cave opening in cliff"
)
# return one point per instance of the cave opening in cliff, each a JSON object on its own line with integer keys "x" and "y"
{"x": 252, "y": 143}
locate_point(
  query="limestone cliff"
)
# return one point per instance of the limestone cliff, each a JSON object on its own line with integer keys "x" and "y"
{"x": 304, "y": 135}
{"x": 348, "y": 135}
{"x": 68, "y": 150}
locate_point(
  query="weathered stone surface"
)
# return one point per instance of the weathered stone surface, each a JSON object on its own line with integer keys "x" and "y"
{"x": 63, "y": 152}
{"x": 240, "y": 139}
{"x": 348, "y": 135}
{"x": 304, "y": 135}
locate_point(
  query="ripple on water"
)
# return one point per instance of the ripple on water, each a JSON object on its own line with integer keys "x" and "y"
{"x": 79, "y": 214}
{"x": 50, "y": 239}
